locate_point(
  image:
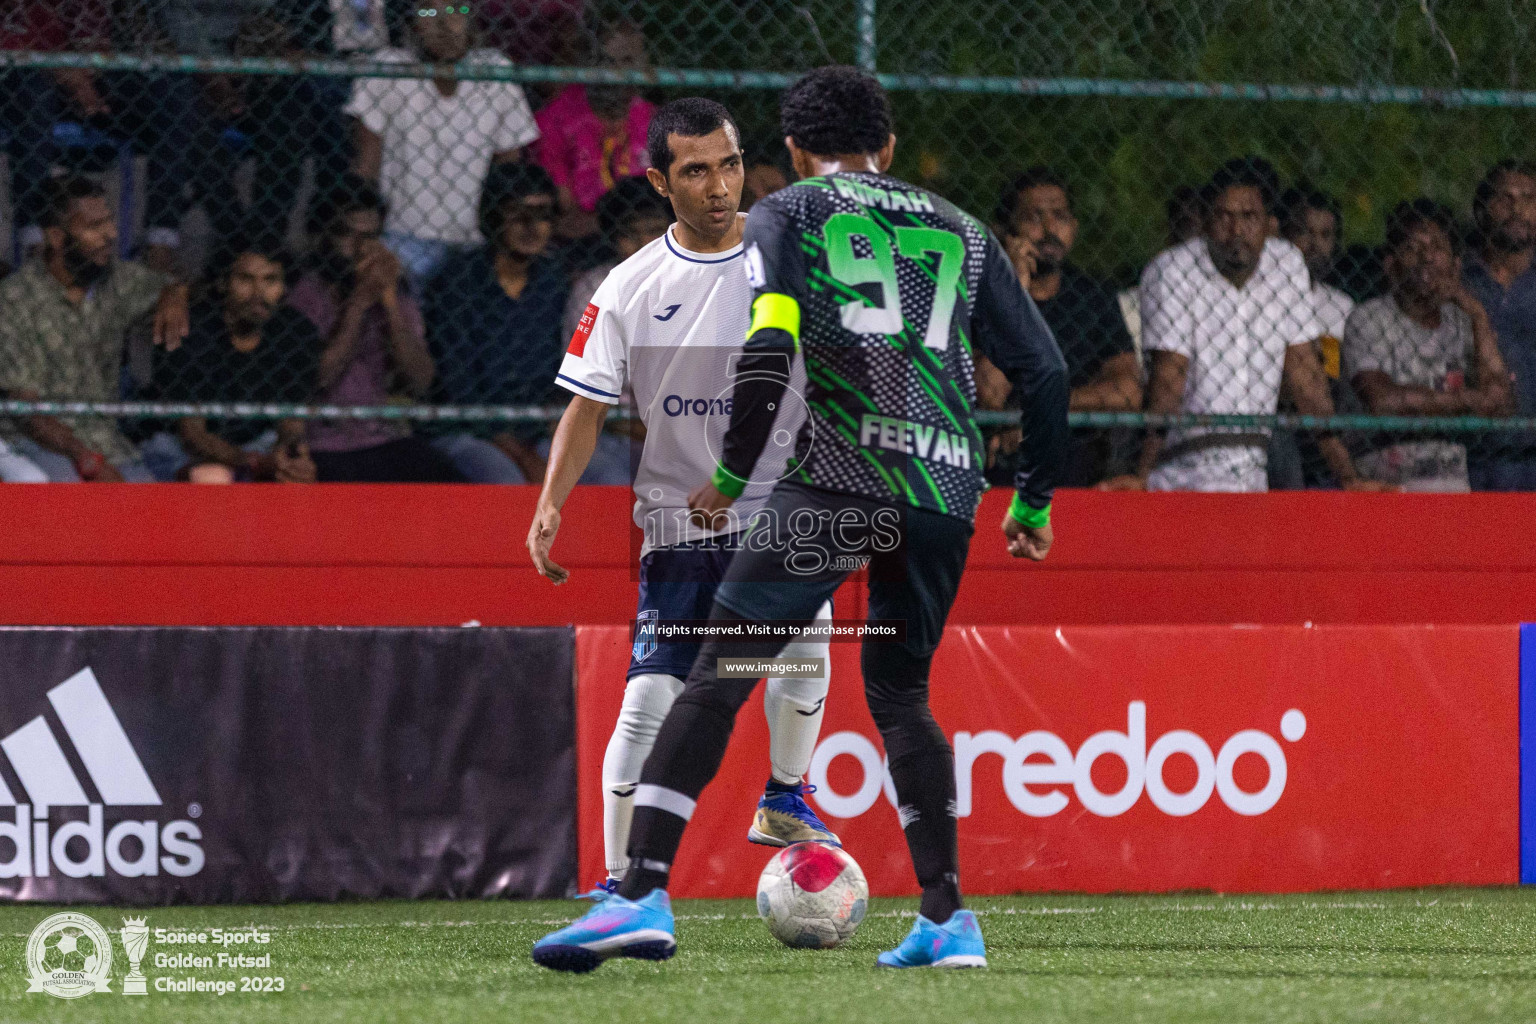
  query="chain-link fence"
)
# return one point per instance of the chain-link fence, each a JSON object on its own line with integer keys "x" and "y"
{"x": 391, "y": 216}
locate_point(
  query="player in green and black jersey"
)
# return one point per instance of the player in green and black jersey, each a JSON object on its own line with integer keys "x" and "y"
{"x": 886, "y": 291}
{"x": 888, "y": 283}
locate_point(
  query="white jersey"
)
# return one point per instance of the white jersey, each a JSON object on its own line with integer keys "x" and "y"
{"x": 670, "y": 324}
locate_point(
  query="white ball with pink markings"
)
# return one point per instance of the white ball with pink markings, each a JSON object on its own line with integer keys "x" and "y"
{"x": 812, "y": 895}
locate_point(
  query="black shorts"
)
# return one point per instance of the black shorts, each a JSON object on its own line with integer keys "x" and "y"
{"x": 807, "y": 540}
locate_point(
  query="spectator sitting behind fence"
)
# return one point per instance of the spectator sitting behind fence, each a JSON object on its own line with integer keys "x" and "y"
{"x": 1310, "y": 220}
{"x": 1185, "y": 214}
{"x": 1035, "y": 219}
{"x": 631, "y": 215}
{"x": 1228, "y": 322}
{"x": 374, "y": 340}
{"x": 1502, "y": 275}
{"x": 430, "y": 143}
{"x": 493, "y": 322}
{"x": 81, "y": 108}
{"x": 62, "y": 324}
{"x": 762, "y": 179}
{"x": 244, "y": 345}
{"x": 1425, "y": 349}
{"x": 593, "y": 136}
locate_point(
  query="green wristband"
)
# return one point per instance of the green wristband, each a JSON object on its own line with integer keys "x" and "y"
{"x": 1034, "y": 518}
{"x": 727, "y": 483}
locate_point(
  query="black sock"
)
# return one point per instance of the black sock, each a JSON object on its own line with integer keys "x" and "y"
{"x": 922, "y": 768}
{"x": 942, "y": 900}
{"x": 640, "y": 882}
{"x": 925, "y": 790}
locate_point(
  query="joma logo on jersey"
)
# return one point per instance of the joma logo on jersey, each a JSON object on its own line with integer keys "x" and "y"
{"x": 677, "y": 405}
{"x": 885, "y": 198}
{"x": 119, "y": 778}
{"x": 918, "y": 439}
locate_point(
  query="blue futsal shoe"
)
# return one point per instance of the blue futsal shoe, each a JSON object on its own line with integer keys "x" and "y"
{"x": 641, "y": 929}
{"x": 955, "y": 943}
{"x": 784, "y": 818}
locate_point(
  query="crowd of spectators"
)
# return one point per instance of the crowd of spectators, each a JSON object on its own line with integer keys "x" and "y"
{"x": 449, "y": 230}
{"x": 383, "y": 240}
{"x": 1243, "y": 314}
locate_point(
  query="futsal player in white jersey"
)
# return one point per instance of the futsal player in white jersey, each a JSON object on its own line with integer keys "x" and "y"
{"x": 667, "y": 323}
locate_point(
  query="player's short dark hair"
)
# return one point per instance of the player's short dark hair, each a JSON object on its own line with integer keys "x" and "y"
{"x": 1490, "y": 183}
{"x": 1295, "y": 202}
{"x": 61, "y": 194}
{"x": 1245, "y": 172}
{"x": 628, "y": 201}
{"x": 691, "y": 117}
{"x": 1006, "y": 214}
{"x": 836, "y": 110}
{"x": 349, "y": 193}
{"x": 1415, "y": 213}
{"x": 507, "y": 182}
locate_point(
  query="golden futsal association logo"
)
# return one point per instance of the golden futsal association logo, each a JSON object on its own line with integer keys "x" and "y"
{"x": 69, "y": 955}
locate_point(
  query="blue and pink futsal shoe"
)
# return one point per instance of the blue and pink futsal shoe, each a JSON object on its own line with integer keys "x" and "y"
{"x": 640, "y": 929}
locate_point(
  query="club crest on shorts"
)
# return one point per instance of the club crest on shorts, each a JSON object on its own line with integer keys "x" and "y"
{"x": 645, "y": 634}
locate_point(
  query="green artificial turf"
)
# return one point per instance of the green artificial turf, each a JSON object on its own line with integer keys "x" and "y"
{"x": 1431, "y": 955}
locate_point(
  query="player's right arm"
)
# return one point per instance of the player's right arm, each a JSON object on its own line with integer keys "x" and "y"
{"x": 593, "y": 371}
{"x": 1011, "y": 333}
{"x": 569, "y": 452}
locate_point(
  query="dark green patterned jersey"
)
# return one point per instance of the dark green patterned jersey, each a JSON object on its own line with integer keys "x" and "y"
{"x": 889, "y": 292}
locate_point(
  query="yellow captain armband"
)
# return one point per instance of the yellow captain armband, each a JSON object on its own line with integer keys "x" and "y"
{"x": 774, "y": 310}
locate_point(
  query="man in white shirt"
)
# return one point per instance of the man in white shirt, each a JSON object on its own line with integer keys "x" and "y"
{"x": 669, "y": 322}
{"x": 1228, "y": 320}
{"x": 429, "y": 143}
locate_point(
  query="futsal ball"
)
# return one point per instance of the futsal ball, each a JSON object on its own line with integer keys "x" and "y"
{"x": 812, "y": 895}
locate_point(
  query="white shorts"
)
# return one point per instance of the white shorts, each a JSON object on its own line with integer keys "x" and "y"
{"x": 1233, "y": 470}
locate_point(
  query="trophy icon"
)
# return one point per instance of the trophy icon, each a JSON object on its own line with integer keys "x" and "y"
{"x": 135, "y": 940}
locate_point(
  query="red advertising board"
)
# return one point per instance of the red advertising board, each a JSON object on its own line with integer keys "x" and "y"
{"x": 1148, "y": 758}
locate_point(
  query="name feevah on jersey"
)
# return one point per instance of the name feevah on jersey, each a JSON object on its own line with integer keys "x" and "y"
{"x": 920, "y": 439}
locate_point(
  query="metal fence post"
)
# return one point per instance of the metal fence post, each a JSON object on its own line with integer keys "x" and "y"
{"x": 866, "y": 46}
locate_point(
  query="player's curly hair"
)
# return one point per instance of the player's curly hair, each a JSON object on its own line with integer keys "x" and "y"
{"x": 836, "y": 110}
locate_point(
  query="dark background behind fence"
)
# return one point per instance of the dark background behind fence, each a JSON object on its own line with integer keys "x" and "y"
{"x": 219, "y": 120}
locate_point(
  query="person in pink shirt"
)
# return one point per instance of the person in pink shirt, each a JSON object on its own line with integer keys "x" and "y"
{"x": 592, "y": 137}
{"x": 374, "y": 344}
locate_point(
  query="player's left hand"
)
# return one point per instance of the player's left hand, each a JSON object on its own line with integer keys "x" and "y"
{"x": 1026, "y": 542}
{"x": 707, "y": 507}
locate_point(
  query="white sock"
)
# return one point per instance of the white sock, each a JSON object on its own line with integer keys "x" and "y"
{"x": 647, "y": 699}
{"x": 795, "y": 708}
